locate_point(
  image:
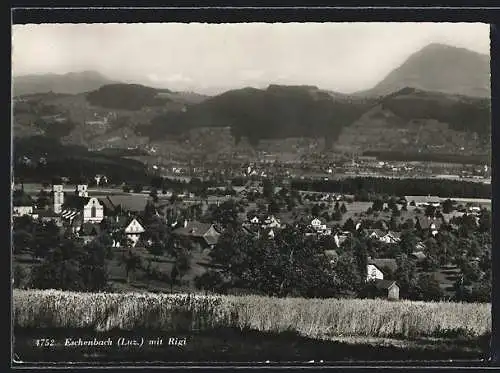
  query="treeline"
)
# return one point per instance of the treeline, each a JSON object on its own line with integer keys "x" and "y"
{"x": 396, "y": 187}
{"x": 384, "y": 155}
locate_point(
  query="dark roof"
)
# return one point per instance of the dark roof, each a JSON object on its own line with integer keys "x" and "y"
{"x": 107, "y": 203}
{"x": 130, "y": 202}
{"x": 384, "y": 263}
{"x": 75, "y": 202}
{"x": 193, "y": 228}
{"x": 384, "y": 284}
{"x": 196, "y": 229}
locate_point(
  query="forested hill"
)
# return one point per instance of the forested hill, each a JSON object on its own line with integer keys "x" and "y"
{"x": 276, "y": 112}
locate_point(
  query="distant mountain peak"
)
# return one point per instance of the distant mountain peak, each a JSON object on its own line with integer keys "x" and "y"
{"x": 440, "y": 68}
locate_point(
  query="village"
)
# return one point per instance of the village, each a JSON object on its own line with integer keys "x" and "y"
{"x": 153, "y": 226}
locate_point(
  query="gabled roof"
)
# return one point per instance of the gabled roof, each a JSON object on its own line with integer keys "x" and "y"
{"x": 200, "y": 231}
{"x": 384, "y": 263}
{"x": 396, "y": 235}
{"x": 130, "y": 203}
{"x": 384, "y": 284}
{"x": 378, "y": 232}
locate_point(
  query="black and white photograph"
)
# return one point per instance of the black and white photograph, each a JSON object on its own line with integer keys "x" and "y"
{"x": 251, "y": 193}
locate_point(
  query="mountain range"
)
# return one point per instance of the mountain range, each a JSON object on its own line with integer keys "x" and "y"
{"x": 437, "y": 100}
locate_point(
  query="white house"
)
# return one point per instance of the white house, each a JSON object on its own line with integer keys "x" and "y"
{"x": 134, "y": 230}
{"x": 390, "y": 238}
{"x": 373, "y": 273}
{"x": 320, "y": 227}
{"x": 22, "y": 210}
{"x": 272, "y": 222}
{"x": 255, "y": 220}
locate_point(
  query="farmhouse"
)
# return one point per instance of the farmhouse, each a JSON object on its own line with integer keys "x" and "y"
{"x": 390, "y": 238}
{"x": 377, "y": 268}
{"x": 320, "y": 227}
{"x": 376, "y": 234}
{"x": 199, "y": 234}
{"x": 373, "y": 273}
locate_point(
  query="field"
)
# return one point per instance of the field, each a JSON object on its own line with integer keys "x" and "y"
{"x": 221, "y": 327}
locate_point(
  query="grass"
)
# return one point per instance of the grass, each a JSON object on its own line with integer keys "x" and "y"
{"x": 313, "y": 318}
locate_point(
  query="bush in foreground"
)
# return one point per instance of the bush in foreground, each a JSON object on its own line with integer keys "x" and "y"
{"x": 308, "y": 317}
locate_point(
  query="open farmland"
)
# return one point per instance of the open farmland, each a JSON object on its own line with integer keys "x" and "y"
{"x": 443, "y": 330}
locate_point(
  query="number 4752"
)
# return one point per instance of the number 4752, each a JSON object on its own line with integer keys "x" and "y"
{"x": 44, "y": 342}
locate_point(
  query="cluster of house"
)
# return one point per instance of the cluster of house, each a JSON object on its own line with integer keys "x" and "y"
{"x": 83, "y": 214}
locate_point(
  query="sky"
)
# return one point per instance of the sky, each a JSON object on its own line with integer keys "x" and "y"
{"x": 211, "y": 58}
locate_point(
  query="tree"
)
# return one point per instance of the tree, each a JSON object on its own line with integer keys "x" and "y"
{"x": 316, "y": 211}
{"x": 343, "y": 209}
{"x": 430, "y": 211}
{"x": 132, "y": 263}
{"x": 349, "y": 225}
{"x": 268, "y": 188}
{"x": 485, "y": 221}
{"x": 428, "y": 289}
{"x": 19, "y": 276}
{"x": 138, "y": 188}
{"x": 447, "y": 206}
{"x": 22, "y": 241}
{"x": 210, "y": 281}
{"x": 337, "y": 216}
{"x": 406, "y": 276}
{"x": 273, "y": 207}
{"x": 378, "y": 205}
{"x": 46, "y": 237}
{"x": 93, "y": 267}
{"x": 60, "y": 269}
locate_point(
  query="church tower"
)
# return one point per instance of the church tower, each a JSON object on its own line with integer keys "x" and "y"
{"x": 57, "y": 189}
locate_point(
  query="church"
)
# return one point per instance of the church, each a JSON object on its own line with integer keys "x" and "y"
{"x": 90, "y": 209}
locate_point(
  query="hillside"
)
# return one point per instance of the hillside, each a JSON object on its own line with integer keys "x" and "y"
{"x": 71, "y": 83}
{"x": 413, "y": 120}
{"x": 440, "y": 68}
{"x": 276, "y": 112}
